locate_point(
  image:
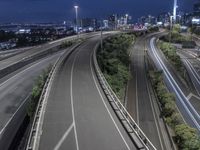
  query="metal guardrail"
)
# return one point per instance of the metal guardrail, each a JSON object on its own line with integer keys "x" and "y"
{"x": 134, "y": 131}
{"x": 33, "y": 141}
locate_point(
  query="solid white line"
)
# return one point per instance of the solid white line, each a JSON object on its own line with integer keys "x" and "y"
{"x": 57, "y": 147}
{"x": 154, "y": 114}
{"x": 107, "y": 106}
{"x": 2, "y": 130}
{"x": 18, "y": 74}
{"x": 25, "y": 98}
{"x": 72, "y": 103}
{"x": 137, "y": 105}
{"x": 190, "y": 68}
{"x": 169, "y": 77}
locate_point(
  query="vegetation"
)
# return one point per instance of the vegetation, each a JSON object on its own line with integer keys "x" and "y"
{"x": 170, "y": 52}
{"x": 186, "y": 137}
{"x": 37, "y": 90}
{"x": 175, "y": 37}
{"x": 153, "y": 29}
{"x": 195, "y": 30}
{"x": 66, "y": 44}
{"x": 114, "y": 61}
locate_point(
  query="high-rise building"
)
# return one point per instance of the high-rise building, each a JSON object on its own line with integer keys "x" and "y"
{"x": 197, "y": 7}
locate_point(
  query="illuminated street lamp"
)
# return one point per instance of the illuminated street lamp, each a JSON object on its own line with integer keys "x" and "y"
{"x": 126, "y": 19}
{"x": 76, "y": 10}
{"x": 171, "y": 27}
{"x": 174, "y": 10}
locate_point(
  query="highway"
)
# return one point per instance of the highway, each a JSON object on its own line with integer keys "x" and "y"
{"x": 9, "y": 53}
{"x": 139, "y": 99}
{"x": 77, "y": 114}
{"x": 189, "y": 113}
{"x": 192, "y": 64}
{"x": 38, "y": 49}
{"x": 15, "y": 91}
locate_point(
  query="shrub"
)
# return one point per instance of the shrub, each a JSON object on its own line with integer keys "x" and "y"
{"x": 187, "y": 137}
{"x": 114, "y": 61}
{"x": 36, "y": 91}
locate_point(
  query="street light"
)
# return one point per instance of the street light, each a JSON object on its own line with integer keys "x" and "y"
{"x": 171, "y": 27}
{"x": 76, "y": 10}
{"x": 126, "y": 19}
{"x": 174, "y": 10}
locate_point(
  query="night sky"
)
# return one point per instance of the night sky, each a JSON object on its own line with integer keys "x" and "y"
{"x": 59, "y": 10}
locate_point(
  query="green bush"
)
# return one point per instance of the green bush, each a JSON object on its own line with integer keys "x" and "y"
{"x": 153, "y": 29}
{"x": 66, "y": 44}
{"x": 186, "y": 137}
{"x": 170, "y": 52}
{"x": 114, "y": 61}
{"x": 175, "y": 37}
{"x": 36, "y": 91}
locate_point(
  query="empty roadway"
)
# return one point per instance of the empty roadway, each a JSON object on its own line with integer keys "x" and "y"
{"x": 140, "y": 101}
{"x": 14, "y": 91}
{"x": 189, "y": 113}
{"x": 78, "y": 115}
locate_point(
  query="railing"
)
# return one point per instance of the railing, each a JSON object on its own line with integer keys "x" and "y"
{"x": 33, "y": 141}
{"x": 135, "y": 133}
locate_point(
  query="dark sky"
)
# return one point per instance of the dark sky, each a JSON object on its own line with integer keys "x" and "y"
{"x": 59, "y": 10}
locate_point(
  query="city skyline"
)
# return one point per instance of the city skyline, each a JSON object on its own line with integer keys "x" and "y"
{"x": 23, "y": 11}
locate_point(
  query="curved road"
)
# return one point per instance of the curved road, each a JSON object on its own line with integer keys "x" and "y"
{"x": 78, "y": 115}
{"x": 15, "y": 91}
{"x": 140, "y": 98}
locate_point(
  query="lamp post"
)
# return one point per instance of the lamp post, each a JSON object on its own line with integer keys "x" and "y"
{"x": 76, "y": 11}
{"x": 126, "y": 19}
{"x": 101, "y": 36}
{"x": 171, "y": 27}
{"x": 174, "y": 10}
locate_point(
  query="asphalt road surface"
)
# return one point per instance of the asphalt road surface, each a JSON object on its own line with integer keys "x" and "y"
{"x": 78, "y": 115}
{"x": 139, "y": 100}
{"x": 13, "y": 98}
{"x": 7, "y": 62}
{"x": 192, "y": 64}
{"x": 189, "y": 113}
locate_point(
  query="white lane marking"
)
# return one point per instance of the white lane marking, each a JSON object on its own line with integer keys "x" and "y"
{"x": 2, "y": 130}
{"x": 192, "y": 95}
{"x": 191, "y": 69}
{"x": 107, "y": 106}
{"x": 154, "y": 114}
{"x": 137, "y": 105}
{"x": 72, "y": 102}
{"x": 18, "y": 74}
{"x": 57, "y": 147}
{"x": 23, "y": 101}
{"x": 172, "y": 82}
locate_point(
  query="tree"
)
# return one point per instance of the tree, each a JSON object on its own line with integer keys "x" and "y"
{"x": 187, "y": 137}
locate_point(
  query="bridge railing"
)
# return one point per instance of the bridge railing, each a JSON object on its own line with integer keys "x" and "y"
{"x": 134, "y": 131}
